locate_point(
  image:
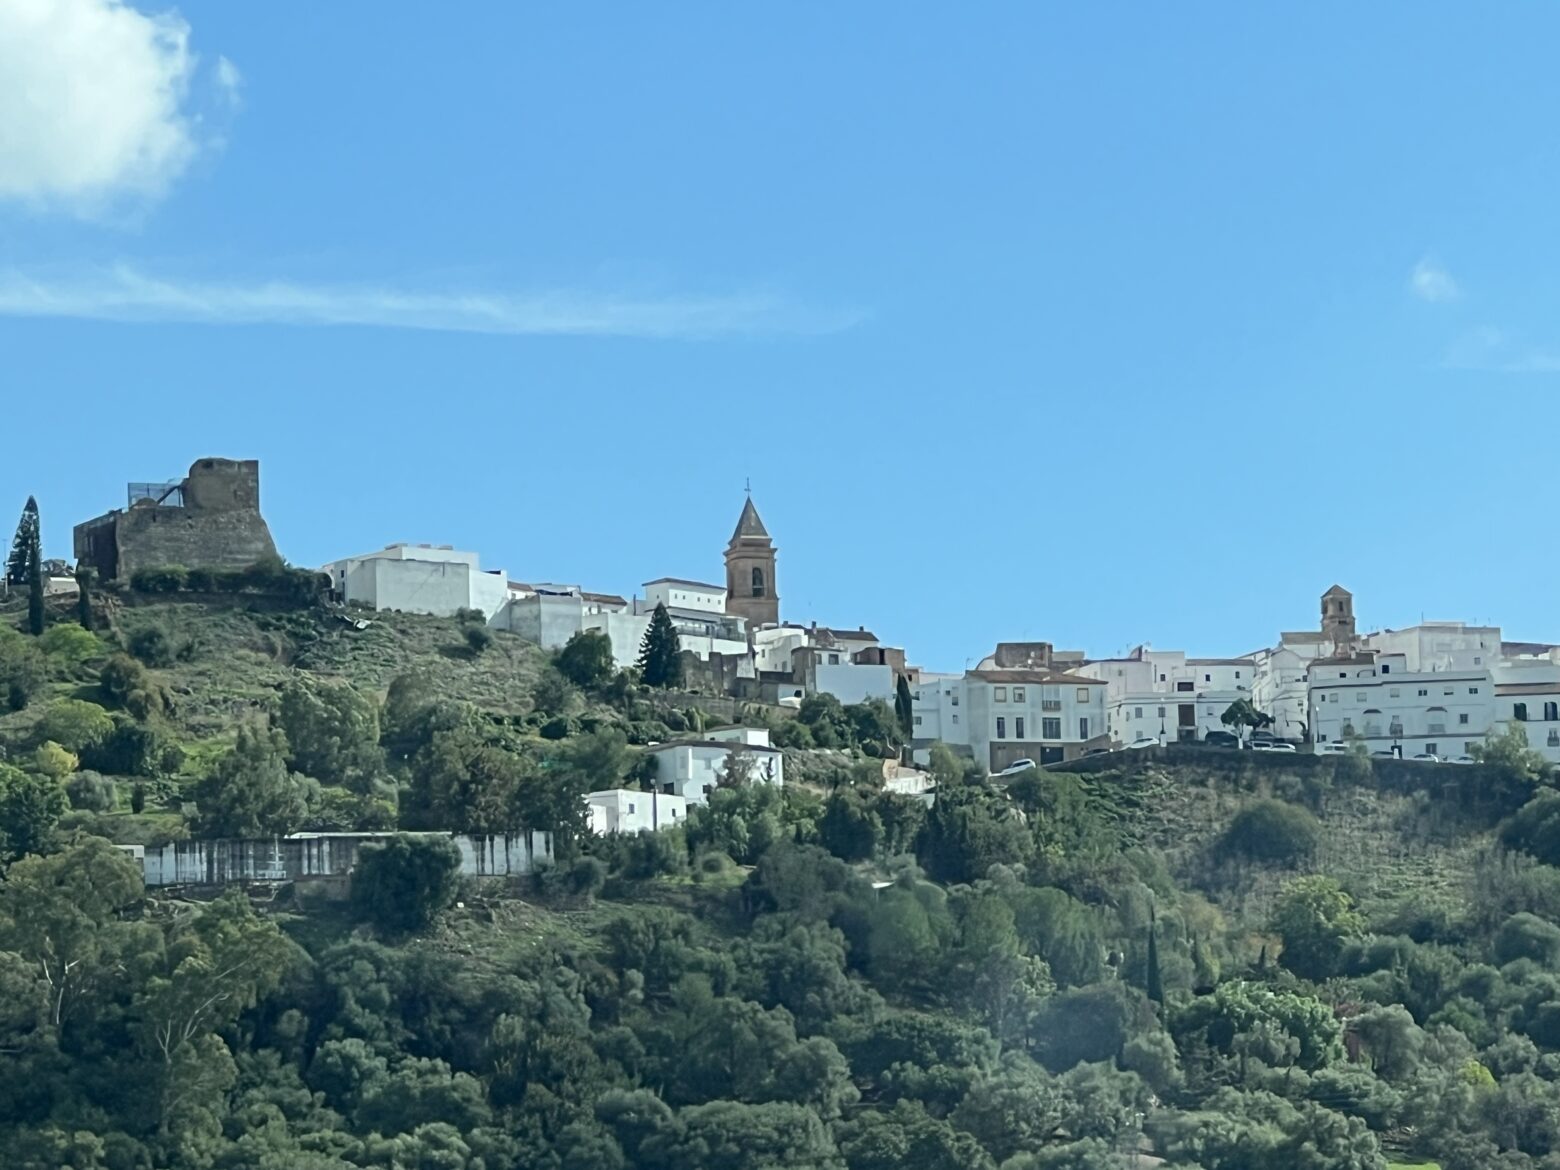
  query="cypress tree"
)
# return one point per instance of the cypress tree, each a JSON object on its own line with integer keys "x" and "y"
{"x": 660, "y": 664}
{"x": 1156, "y": 985}
{"x": 22, "y": 546}
{"x": 904, "y": 708}
{"x": 34, "y": 577}
{"x": 84, "y": 616}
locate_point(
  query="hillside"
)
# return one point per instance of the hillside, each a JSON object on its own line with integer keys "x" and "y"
{"x": 1194, "y": 959}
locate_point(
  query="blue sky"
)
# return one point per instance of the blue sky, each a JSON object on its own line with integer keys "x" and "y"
{"x": 1095, "y": 323}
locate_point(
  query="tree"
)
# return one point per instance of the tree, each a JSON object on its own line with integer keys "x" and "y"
{"x": 874, "y": 729}
{"x": 332, "y": 732}
{"x": 1272, "y": 830}
{"x": 86, "y": 578}
{"x": 586, "y": 659}
{"x": 250, "y": 792}
{"x": 1315, "y": 918}
{"x": 35, "y": 614}
{"x": 907, "y": 1136}
{"x": 1155, "y": 981}
{"x": 660, "y": 655}
{"x": 23, "y": 546}
{"x": 904, "y": 708}
{"x": 1243, "y": 714}
{"x": 30, "y": 806}
{"x": 402, "y": 884}
{"x": 737, "y": 770}
{"x": 968, "y": 830}
{"x": 1510, "y": 755}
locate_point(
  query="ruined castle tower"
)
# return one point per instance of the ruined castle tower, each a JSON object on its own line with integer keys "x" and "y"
{"x": 750, "y": 571}
{"x": 208, "y": 520}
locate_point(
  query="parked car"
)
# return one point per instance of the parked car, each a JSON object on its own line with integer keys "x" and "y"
{"x": 1279, "y": 745}
{"x": 1428, "y": 758}
{"x": 1337, "y": 748}
{"x": 1016, "y": 767}
{"x": 1225, "y": 739}
{"x": 1141, "y": 742}
{"x": 1383, "y": 754}
{"x": 1465, "y": 760}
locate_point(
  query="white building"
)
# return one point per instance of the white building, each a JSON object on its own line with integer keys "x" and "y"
{"x": 936, "y": 701}
{"x": 550, "y": 614}
{"x": 692, "y": 768}
{"x": 1164, "y": 695}
{"x": 419, "y": 578}
{"x": 1440, "y": 645}
{"x": 624, "y": 810}
{"x": 1375, "y": 698}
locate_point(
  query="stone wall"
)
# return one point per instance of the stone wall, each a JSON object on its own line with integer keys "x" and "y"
{"x": 218, "y": 526}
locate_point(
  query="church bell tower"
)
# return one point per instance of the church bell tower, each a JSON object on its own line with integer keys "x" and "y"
{"x": 750, "y": 571}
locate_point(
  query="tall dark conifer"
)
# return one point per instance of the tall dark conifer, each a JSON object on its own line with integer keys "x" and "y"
{"x": 904, "y": 708}
{"x": 84, "y": 579}
{"x": 26, "y": 539}
{"x": 660, "y": 663}
{"x": 1156, "y": 985}
{"x": 34, "y": 577}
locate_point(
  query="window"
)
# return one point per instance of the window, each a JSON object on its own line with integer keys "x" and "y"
{"x": 1462, "y": 717}
{"x": 1431, "y": 748}
{"x": 1477, "y": 661}
{"x": 918, "y": 721}
{"x": 1423, "y": 692}
{"x": 1018, "y": 694}
{"x": 1161, "y": 678}
{"x": 1551, "y": 712}
{"x": 1161, "y": 712}
{"x": 758, "y": 582}
{"x": 1519, "y": 712}
{"x": 955, "y": 718}
{"x": 1393, "y": 693}
{"x": 1018, "y": 727}
{"x": 1237, "y": 674}
{"x": 1083, "y": 728}
{"x": 1050, "y": 729}
{"x": 1359, "y": 696}
{"x": 1395, "y": 730}
{"x": 1554, "y": 738}
{"x": 834, "y": 659}
{"x": 630, "y": 808}
{"x": 1083, "y": 694}
{"x": 1448, "y": 690}
{"x": 955, "y": 701}
{"x": 1137, "y": 712}
{"x": 1183, "y": 686}
{"x": 1207, "y": 678}
{"x": 1473, "y": 690}
{"x": 1386, "y": 668}
{"x": 1348, "y": 728}
{"x": 916, "y": 695}
{"x": 999, "y": 694}
{"x": 1001, "y": 727}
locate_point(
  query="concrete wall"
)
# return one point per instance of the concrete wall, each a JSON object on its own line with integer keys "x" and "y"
{"x": 623, "y": 810}
{"x": 314, "y": 855}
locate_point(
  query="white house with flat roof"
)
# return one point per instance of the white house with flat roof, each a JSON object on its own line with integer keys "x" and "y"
{"x": 1164, "y": 695}
{"x": 435, "y": 579}
{"x": 1376, "y": 699}
{"x": 692, "y": 768}
{"x": 626, "y": 810}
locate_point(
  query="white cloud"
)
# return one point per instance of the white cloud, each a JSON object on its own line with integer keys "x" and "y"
{"x": 1496, "y": 351}
{"x": 1430, "y": 282}
{"x": 91, "y": 102}
{"x": 229, "y": 81}
{"x": 124, "y": 294}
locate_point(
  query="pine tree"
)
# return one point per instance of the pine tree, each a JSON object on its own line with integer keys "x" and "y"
{"x": 660, "y": 661}
{"x": 34, "y": 575}
{"x": 1156, "y": 985}
{"x": 21, "y": 547}
{"x": 904, "y": 707}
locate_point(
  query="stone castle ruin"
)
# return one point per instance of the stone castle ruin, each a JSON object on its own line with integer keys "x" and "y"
{"x": 208, "y": 520}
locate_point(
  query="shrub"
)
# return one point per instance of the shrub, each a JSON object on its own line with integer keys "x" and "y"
{"x": 1271, "y": 830}
{"x": 128, "y": 683}
{"x": 1526, "y": 936}
{"x": 73, "y": 724}
{"x": 91, "y": 792}
{"x": 133, "y": 749}
{"x": 163, "y": 579}
{"x": 53, "y": 761}
{"x": 201, "y": 581}
{"x": 69, "y": 644}
{"x": 478, "y": 638}
{"x": 153, "y": 646}
{"x": 402, "y": 884}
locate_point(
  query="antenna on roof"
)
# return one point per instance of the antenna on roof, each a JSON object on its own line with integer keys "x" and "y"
{"x": 747, "y": 486}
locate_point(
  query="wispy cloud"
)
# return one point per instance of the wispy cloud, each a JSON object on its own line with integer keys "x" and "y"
{"x": 1497, "y": 351}
{"x": 1431, "y": 282}
{"x": 229, "y": 81}
{"x": 122, "y": 293}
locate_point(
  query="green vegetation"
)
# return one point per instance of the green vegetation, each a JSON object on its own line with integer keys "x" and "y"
{"x": 1241, "y": 963}
{"x": 660, "y": 661}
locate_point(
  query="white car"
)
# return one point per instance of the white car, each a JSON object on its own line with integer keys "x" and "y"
{"x": 1465, "y": 760}
{"x": 1427, "y": 758}
{"x": 1140, "y": 743}
{"x": 1273, "y": 745}
{"x": 1016, "y": 767}
{"x": 1333, "y": 749}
